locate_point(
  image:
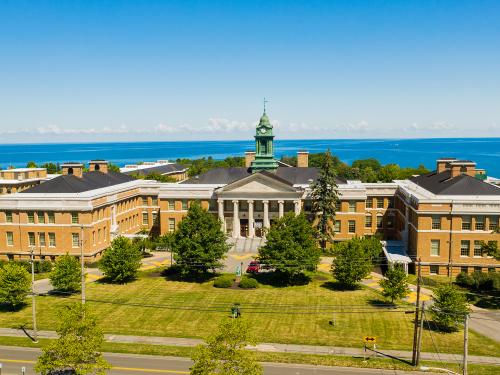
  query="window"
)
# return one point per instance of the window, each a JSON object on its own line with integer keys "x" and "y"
{"x": 144, "y": 201}
{"x": 390, "y": 221}
{"x": 171, "y": 205}
{"x": 369, "y": 202}
{"x": 154, "y": 215}
{"x": 478, "y": 252}
{"x": 52, "y": 239}
{"x": 436, "y": 222}
{"x": 145, "y": 218}
{"x": 435, "y": 248}
{"x": 93, "y": 237}
{"x": 51, "y": 217}
{"x": 491, "y": 269}
{"x": 104, "y": 234}
{"x": 465, "y": 248}
{"x": 184, "y": 205}
{"x": 352, "y": 206}
{"x": 74, "y": 218}
{"x": 10, "y": 239}
{"x": 466, "y": 223}
{"x": 479, "y": 223}
{"x": 493, "y": 223}
{"x": 99, "y": 235}
{"x": 368, "y": 221}
{"x": 75, "y": 239}
{"x": 154, "y": 201}
{"x": 31, "y": 217}
{"x": 337, "y": 226}
{"x": 8, "y": 217}
{"x": 41, "y": 239}
{"x": 171, "y": 224}
{"x": 464, "y": 269}
{"x": 434, "y": 269}
{"x": 31, "y": 238}
{"x": 390, "y": 202}
{"x": 380, "y": 202}
{"x": 352, "y": 226}
{"x": 379, "y": 221}
{"x": 478, "y": 269}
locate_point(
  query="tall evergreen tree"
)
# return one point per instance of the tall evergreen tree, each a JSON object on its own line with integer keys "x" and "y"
{"x": 325, "y": 198}
{"x": 199, "y": 244}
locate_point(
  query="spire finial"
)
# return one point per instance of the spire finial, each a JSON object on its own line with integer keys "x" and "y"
{"x": 265, "y": 101}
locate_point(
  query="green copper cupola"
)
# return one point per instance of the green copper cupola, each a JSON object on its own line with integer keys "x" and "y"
{"x": 264, "y": 150}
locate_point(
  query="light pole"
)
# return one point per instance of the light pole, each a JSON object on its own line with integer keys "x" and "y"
{"x": 82, "y": 265}
{"x": 33, "y": 301}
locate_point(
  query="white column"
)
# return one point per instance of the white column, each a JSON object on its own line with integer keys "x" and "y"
{"x": 297, "y": 206}
{"x": 220, "y": 203}
{"x": 266, "y": 214}
{"x": 251, "y": 224}
{"x": 281, "y": 209}
{"x": 236, "y": 219}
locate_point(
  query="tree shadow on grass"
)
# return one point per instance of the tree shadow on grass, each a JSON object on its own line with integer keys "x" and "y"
{"x": 339, "y": 287}
{"x": 173, "y": 274}
{"x": 5, "y": 307}
{"x": 280, "y": 279}
{"x": 61, "y": 293}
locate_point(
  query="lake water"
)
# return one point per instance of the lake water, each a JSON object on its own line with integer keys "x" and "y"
{"x": 405, "y": 152}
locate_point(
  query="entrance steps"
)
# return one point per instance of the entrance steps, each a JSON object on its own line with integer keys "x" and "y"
{"x": 246, "y": 245}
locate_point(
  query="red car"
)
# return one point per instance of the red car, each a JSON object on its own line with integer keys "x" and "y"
{"x": 253, "y": 267}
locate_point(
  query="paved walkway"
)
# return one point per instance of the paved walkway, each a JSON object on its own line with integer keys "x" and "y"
{"x": 269, "y": 347}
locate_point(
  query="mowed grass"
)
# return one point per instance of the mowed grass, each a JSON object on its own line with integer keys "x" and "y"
{"x": 154, "y": 306}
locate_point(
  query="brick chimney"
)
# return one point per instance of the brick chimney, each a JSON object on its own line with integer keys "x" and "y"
{"x": 303, "y": 159}
{"x": 76, "y": 169}
{"x": 249, "y": 157}
{"x": 98, "y": 166}
{"x": 459, "y": 167}
{"x": 443, "y": 164}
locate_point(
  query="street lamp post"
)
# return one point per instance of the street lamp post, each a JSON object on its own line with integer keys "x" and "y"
{"x": 33, "y": 300}
{"x": 82, "y": 265}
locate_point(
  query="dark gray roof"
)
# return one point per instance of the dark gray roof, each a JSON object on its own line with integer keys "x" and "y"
{"x": 443, "y": 184}
{"x": 73, "y": 184}
{"x": 161, "y": 169}
{"x": 224, "y": 176}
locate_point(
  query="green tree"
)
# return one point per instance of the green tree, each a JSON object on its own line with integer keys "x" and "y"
{"x": 31, "y": 164}
{"x": 352, "y": 261}
{"x": 291, "y": 246}
{"x": 388, "y": 173}
{"x": 121, "y": 261}
{"x": 66, "y": 275}
{"x": 78, "y": 346}
{"x": 224, "y": 352}
{"x": 449, "y": 307}
{"x": 395, "y": 284}
{"x": 51, "y": 168}
{"x": 14, "y": 284}
{"x": 199, "y": 244}
{"x": 491, "y": 249}
{"x": 372, "y": 163}
{"x": 325, "y": 196}
{"x": 113, "y": 167}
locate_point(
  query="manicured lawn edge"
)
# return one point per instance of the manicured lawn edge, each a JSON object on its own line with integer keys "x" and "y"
{"x": 297, "y": 358}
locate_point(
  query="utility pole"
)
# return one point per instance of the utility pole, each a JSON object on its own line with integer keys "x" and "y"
{"x": 82, "y": 265}
{"x": 417, "y": 308}
{"x": 466, "y": 343}
{"x": 420, "y": 330}
{"x": 33, "y": 300}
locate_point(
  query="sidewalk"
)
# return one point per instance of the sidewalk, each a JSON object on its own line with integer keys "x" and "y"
{"x": 270, "y": 347}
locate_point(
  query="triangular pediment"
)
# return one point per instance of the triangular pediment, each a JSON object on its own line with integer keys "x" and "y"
{"x": 259, "y": 183}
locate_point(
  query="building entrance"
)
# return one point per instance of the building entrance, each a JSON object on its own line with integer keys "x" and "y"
{"x": 244, "y": 227}
{"x": 259, "y": 224}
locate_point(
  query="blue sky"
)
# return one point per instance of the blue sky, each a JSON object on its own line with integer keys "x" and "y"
{"x": 193, "y": 70}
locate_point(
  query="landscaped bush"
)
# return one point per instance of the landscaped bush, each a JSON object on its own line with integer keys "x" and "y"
{"x": 224, "y": 281}
{"x": 41, "y": 266}
{"x": 248, "y": 283}
{"x": 480, "y": 281}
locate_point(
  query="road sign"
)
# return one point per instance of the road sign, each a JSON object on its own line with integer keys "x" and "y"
{"x": 371, "y": 339}
{"x": 238, "y": 270}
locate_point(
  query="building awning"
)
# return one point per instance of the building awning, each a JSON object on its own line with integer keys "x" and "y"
{"x": 395, "y": 252}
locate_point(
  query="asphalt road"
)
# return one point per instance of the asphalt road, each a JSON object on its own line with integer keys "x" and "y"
{"x": 14, "y": 358}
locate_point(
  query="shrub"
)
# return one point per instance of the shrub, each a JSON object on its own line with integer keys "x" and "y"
{"x": 43, "y": 266}
{"x": 224, "y": 281}
{"x": 449, "y": 308}
{"x": 248, "y": 283}
{"x": 463, "y": 279}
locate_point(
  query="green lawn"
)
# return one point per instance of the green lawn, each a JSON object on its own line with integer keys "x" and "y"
{"x": 155, "y": 306}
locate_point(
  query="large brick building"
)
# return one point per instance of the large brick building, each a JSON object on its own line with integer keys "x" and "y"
{"x": 441, "y": 217}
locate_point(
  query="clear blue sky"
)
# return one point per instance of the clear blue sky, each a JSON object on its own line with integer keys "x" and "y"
{"x": 176, "y": 70}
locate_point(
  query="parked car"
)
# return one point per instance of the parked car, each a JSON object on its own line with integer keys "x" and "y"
{"x": 253, "y": 267}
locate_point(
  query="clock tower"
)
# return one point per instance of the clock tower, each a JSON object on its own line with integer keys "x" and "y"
{"x": 264, "y": 152}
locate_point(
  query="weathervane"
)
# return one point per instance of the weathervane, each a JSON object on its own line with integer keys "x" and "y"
{"x": 265, "y": 101}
